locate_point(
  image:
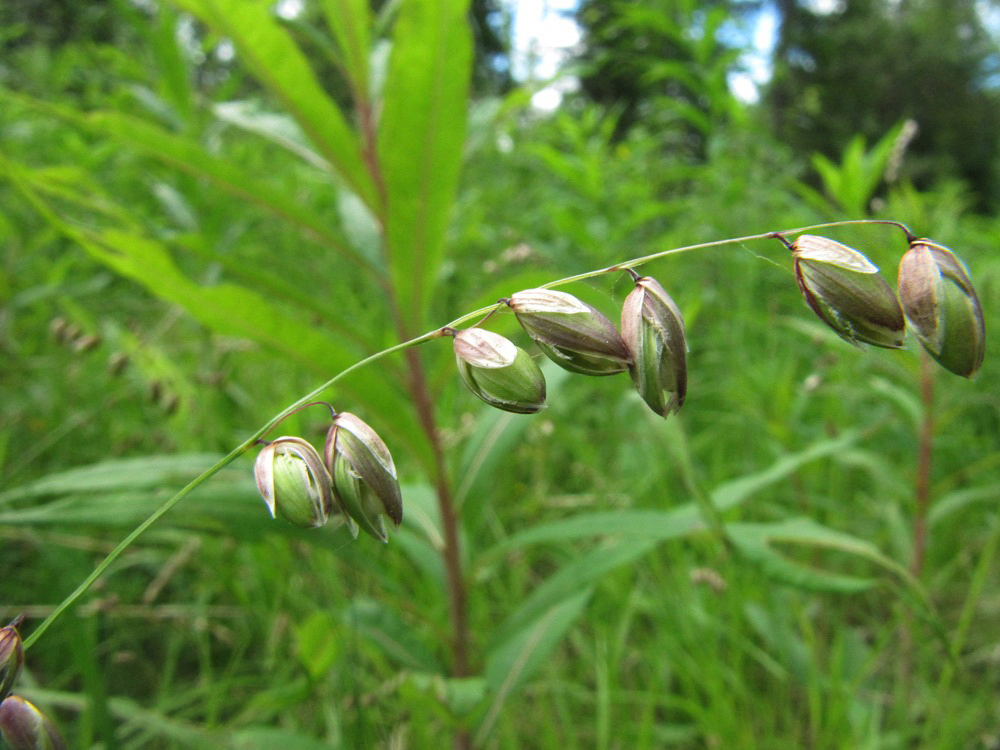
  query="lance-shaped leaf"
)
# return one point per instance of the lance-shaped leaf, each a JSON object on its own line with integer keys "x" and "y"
{"x": 350, "y": 24}
{"x": 421, "y": 134}
{"x": 275, "y": 60}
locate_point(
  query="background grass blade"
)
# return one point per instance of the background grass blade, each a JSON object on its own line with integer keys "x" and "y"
{"x": 234, "y": 310}
{"x": 350, "y": 23}
{"x": 678, "y": 521}
{"x": 755, "y": 542}
{"x": 510, "y": 664}
{"x": 567, "y": 583}
{"x": 275, "y": 60}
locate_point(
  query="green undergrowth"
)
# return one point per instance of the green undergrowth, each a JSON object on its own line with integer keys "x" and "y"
{"x": 603, "y": 613}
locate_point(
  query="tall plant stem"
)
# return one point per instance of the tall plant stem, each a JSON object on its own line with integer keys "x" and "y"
{"x": 450, "y": 553}
{"x": 925, "y": 452}
{"x": 922, "y": 500}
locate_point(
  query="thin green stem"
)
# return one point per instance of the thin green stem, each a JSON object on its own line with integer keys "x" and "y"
{"x": 636, "y": 262}
{"x": 201, "y": 478}
{"x": 436, "y": 333}
{"x": 718, "y": 243}
{"x": 711, "y": 516}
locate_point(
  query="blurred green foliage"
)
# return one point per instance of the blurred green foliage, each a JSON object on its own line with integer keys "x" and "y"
{"x": 171, "y": 208}
{"x": 872, "y": 63}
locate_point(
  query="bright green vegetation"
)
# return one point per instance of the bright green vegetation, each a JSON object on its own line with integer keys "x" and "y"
{"x": 242, "y": 233}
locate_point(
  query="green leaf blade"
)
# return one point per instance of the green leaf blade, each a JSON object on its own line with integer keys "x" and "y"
{"x": 515, "y": 661}
{"x": 276, "y": 61}
{"x": 350, "y": 24}
{"x": 420, "y": 139}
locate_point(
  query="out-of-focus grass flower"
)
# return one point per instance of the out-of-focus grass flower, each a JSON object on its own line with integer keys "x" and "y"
{"x": 24, "y": 727}
{"x": 11, "y": 657}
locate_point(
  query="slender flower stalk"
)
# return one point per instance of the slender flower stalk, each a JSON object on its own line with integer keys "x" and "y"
{"x": 195, "y": 483}
{"x": 249, "y": 443}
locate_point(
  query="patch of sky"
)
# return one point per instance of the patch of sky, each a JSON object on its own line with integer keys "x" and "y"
{"x": 755, "y": 35}
{"x": 545, "y": 36}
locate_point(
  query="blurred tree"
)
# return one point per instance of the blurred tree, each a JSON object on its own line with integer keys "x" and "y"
{"x": 53, "y": 23}
{"x": 661, "y": 62}
{"x": 491, "y": 37}
{"x": 869, "y": 64}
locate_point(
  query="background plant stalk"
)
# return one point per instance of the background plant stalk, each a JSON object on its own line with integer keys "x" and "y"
{"x": 925, "y": 453}
{"x": 922, "y": 501}
{"x": 457, "y": 600}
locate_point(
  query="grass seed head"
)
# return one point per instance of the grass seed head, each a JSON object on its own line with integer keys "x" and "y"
{"x": 293, "y": 482}
{"x": 847, "y": 292}
{"x": 653, "y": 330}
{"x": 364, "y": 475}
{"x": 570, "y": 332}
{"x": 498, "y": 372}
{"x": 942, "y": 307}
{"x": 11, "y": 658}
{"x": 24, "y": 727}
